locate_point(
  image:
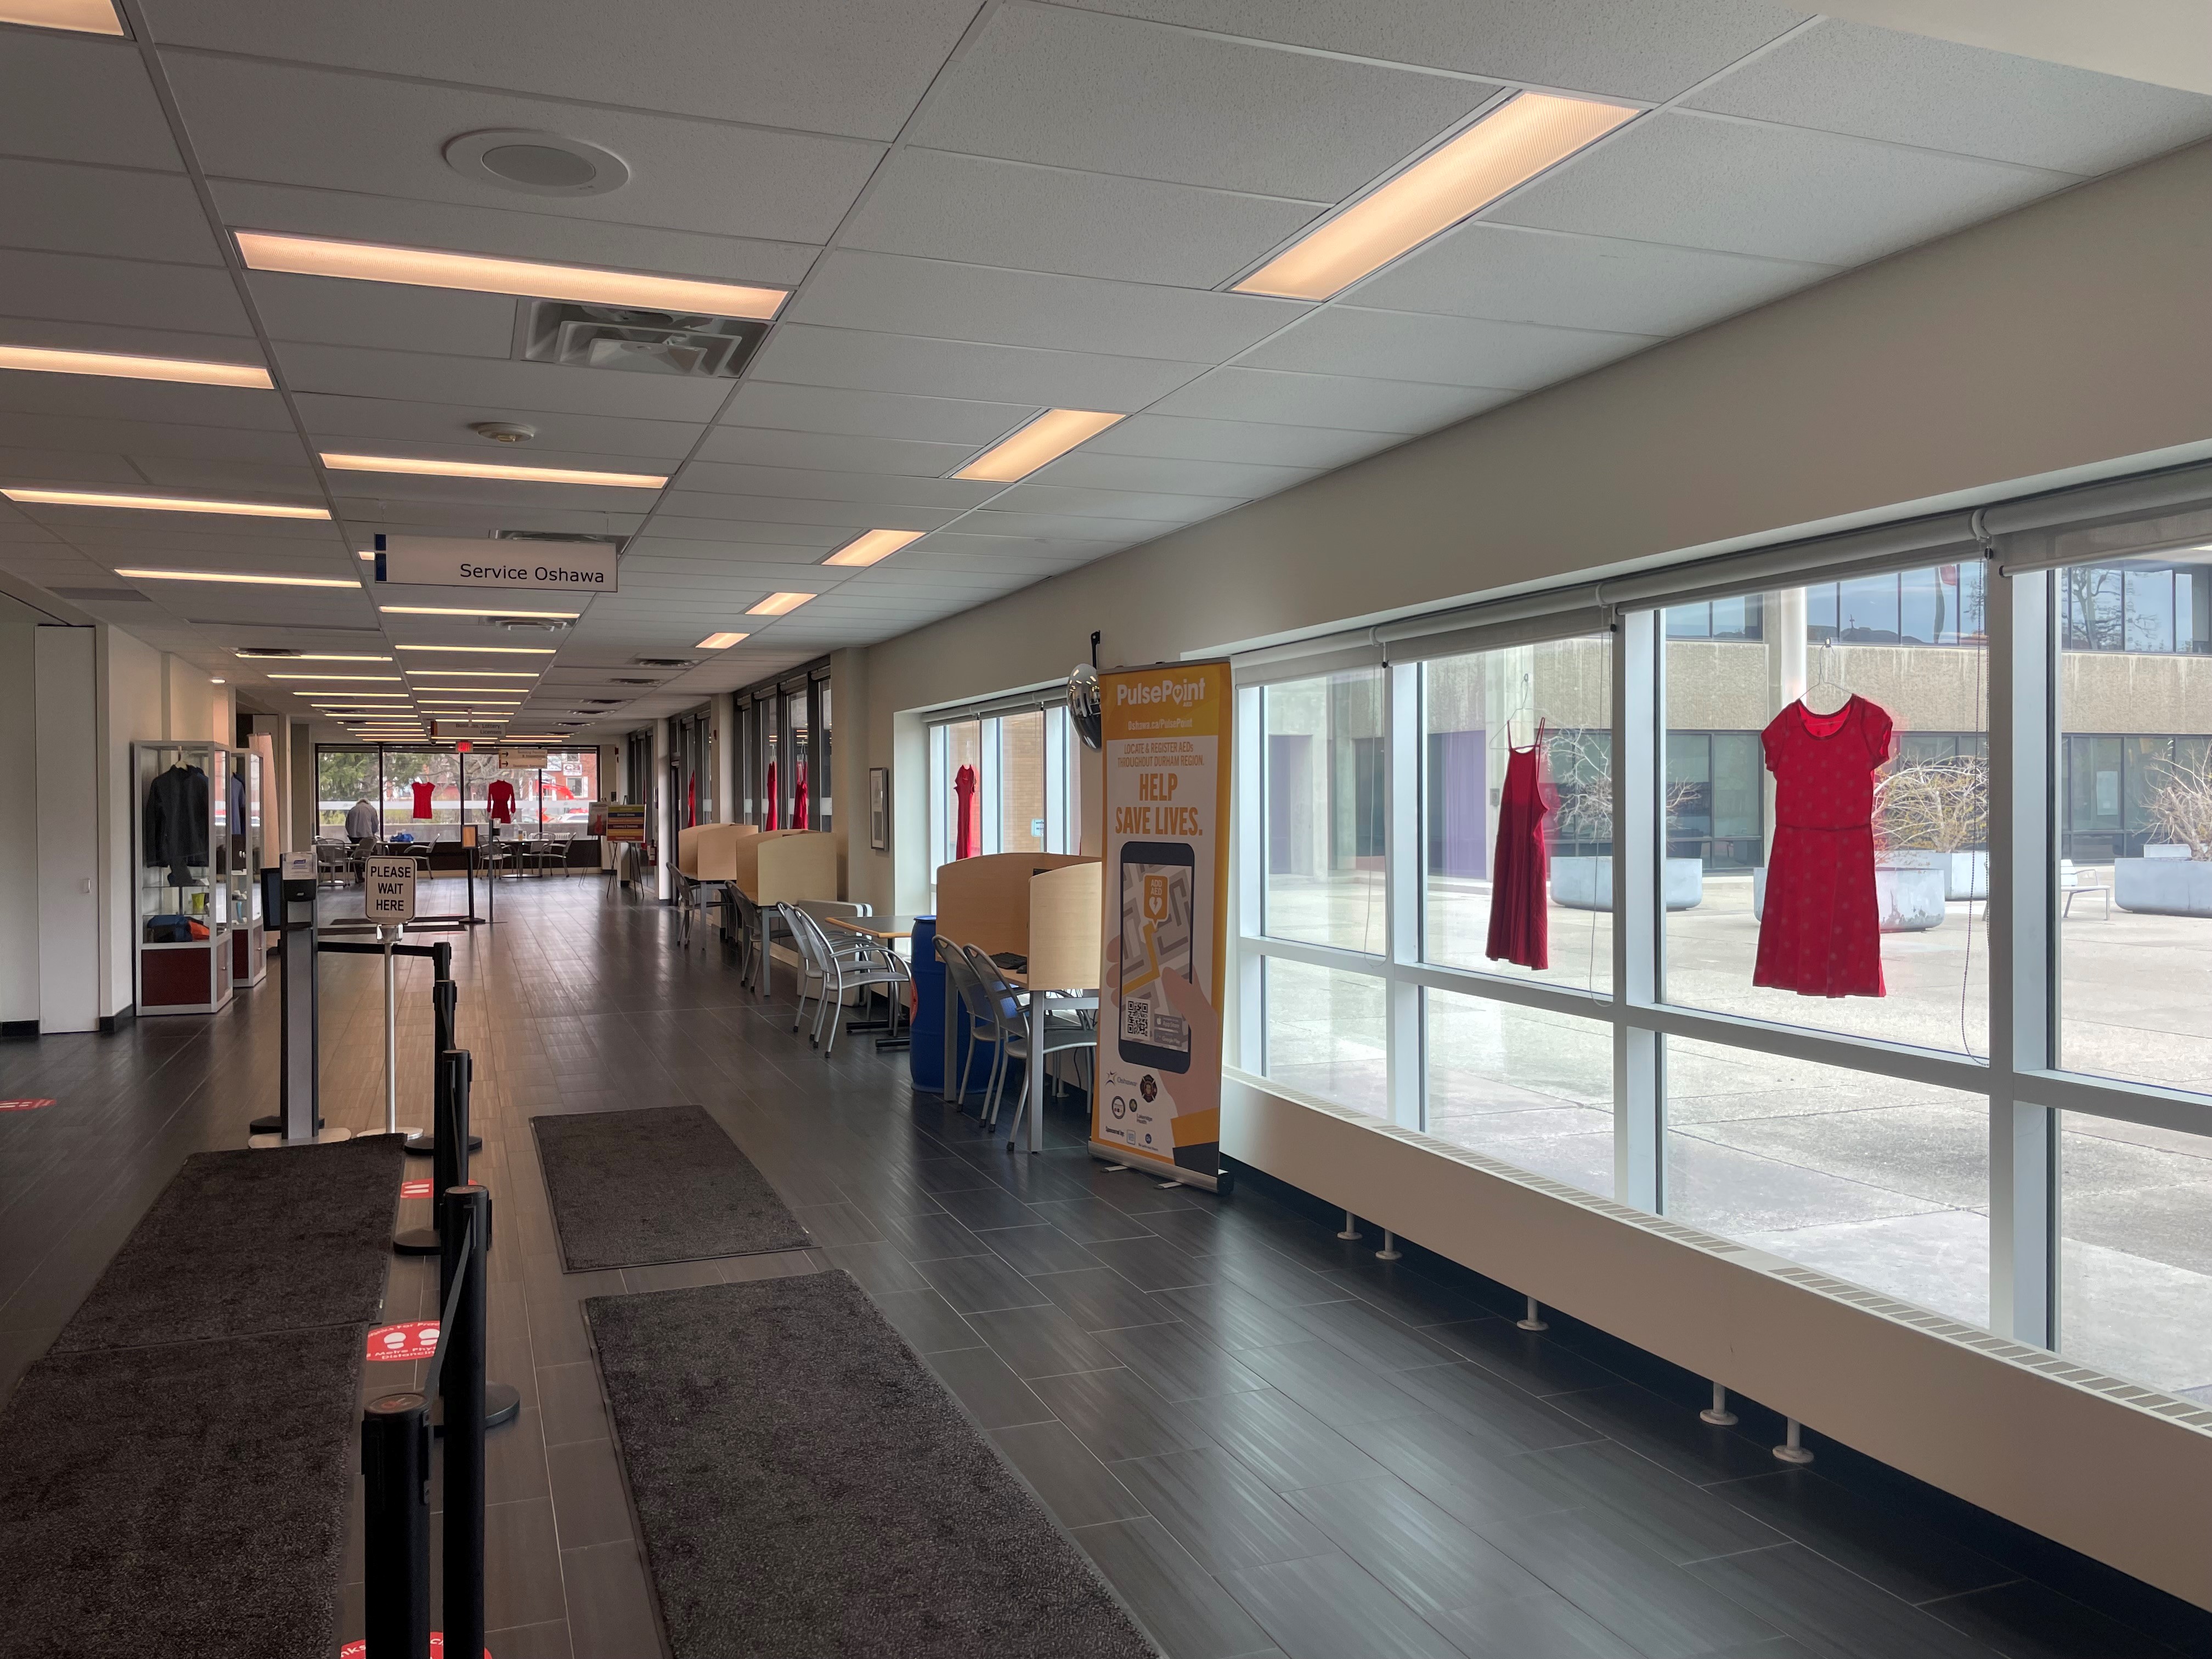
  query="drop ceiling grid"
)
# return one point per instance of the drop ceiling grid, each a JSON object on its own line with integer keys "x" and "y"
{"x": 1028, "y": 244}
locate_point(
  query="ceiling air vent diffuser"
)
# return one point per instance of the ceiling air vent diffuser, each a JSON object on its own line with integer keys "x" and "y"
{"x": 691, "y": 346}
{"x": 661, "y": 662}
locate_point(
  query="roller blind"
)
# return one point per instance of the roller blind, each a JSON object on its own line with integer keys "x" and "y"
{"x": 1007, "y": 702}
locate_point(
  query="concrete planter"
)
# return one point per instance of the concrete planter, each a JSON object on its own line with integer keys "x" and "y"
{"x": 2163, "y": 886}
{"x": 1586, "y": 884}
{"x": 1908, "y": 901}
{"x": 1966, "y": 875}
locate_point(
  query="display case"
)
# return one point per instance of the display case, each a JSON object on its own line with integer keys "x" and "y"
{"x": 249, "y": 953}
{"x": 185, "y": 794}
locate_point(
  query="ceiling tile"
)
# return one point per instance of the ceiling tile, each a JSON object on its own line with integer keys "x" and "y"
{"x": 846, "y": 358}
{"x": 507, "y": 233}
{"x": 762, "y": 447}
{"x": 143, "y": 216}
{"x": 254, "y": 479}
{"x": 1124, "y": 504}
{"x": 1443, "y": 351}
{"x": 1650, "y": 49}
{"x": 1697, "y": 181}
{"x": 856, "y": 66}
{"x": 418, "y": 424}
{"x": 1877, "y": 83}
{"x": 1262, "y": 443}
{"x": 81, "y": 288}
{"x": 707, "y": 505}
{"x": 283, "y": 125}
{"x": 1087, "y": 469}
{"x": 19, "y": 466}
{"x": 873, "y": 414}
{"x": 1068, "y": 550}
{"x": 326, "y": 311}
{"x": 1517, "y": 275}
{"x": 814, "y": 484}
{"x": 680, "y": 532}
{"x": 73, "y": 98}
{"x": 497, "y": 389}
{"x": 151, "y": 438}
{"x": 96, "y": 396}
{"x": 1265, "y": 395}
{"x": 1110, "y": 95}
{"x": 988, "y": 521}
{"x": 971, "y": 208}
{"x": 890, "y": 294}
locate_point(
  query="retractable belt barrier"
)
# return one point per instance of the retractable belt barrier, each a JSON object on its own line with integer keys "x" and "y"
{"x": 395, "y": 1460}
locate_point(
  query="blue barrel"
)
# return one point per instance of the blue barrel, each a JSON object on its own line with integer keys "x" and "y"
{"x": 924, "y": 1057}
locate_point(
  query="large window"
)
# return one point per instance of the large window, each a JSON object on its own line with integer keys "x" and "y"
{"x": 1752, "y": 986}
{"x": 554, "y": 799}
{"x": 1012, "y": 773}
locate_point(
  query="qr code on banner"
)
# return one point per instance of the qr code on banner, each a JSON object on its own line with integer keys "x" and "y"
{"x": 1137, "y": 1019}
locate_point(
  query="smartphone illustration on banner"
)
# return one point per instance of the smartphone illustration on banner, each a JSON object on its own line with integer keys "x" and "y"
{"x": 1157, "y": 901}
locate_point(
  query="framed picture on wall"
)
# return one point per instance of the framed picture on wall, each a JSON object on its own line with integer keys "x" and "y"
{"x": 879, "y": 808}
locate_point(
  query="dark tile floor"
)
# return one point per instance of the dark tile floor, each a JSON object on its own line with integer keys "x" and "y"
{"x": 1269, "y": 1442}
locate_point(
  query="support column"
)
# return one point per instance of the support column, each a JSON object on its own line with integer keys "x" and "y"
{"x": 1639, "y": 1095}
{"x": 66, "y": 796}
{"x": 2022, "y": 933}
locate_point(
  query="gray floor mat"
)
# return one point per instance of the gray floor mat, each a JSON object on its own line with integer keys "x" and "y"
{"x": 187, "y": 1500}
{"x": 807, "y": 1487}
{"x": 244, "y": 1242}
{"x": 662, "y": 1184}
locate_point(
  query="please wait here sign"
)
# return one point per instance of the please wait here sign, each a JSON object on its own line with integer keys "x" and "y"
{"x": 388, "y": 891}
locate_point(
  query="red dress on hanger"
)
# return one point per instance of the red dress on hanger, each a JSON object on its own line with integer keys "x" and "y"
{"x": 499, "y": 801}
{"x": 422, "y": 799}
{"x": 1820, "y": 934}
{"x": 769, "y": 820}
{"x": 799, "y": 799}
{"x": 1520, "y": 915}
{"x": 967, "y": 819}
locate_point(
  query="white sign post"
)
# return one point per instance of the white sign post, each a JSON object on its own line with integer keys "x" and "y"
{"x": 388, "y": 891}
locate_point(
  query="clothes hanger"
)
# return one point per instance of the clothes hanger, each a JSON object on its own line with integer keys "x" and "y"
{"x": 1827, "y": 682}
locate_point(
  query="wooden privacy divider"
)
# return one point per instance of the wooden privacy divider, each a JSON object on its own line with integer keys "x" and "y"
{"x": 985, "y": 901}
{"x": 782, "y": 867}
{"x": 708, "y": 852}
{"x": 1065, "y": 921}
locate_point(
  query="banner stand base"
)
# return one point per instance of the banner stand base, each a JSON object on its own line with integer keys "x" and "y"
{"x": 1221, "y": 1183}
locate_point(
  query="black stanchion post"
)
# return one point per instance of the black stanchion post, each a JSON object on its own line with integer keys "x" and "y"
{"x": 449, "y": 1162}
{"x": 467, "y": 1218}
{"x": 445, "y": 1001}
{"x": 395, "y": 1464}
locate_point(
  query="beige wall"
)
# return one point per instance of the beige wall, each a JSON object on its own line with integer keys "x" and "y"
{"x": 2067, "y": 336}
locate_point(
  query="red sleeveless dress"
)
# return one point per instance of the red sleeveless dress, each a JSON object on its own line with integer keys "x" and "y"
{"x": 1820, "y": 934}
{"x": 1519, "y": 910}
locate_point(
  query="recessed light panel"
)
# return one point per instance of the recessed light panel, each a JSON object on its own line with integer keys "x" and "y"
{"x": 367, "y": 262}
{"x": 415, "y": 466}
{"x": 246, "y": 578}
{"x": 1046, "y": 438}
{"x": 488, "y": 650}
{"x": 35, "y": 360}
{"x": 874, "y": 547}
{"x": 85, "y": 16}
{"x": 334, "y": 677}
{"x": 1505, "y": 148}
{"x": 161, "y": 504}
{"x": 721, "y": 641}
{"x": 779, "y": 605}
{"x": 306, "y": 656}
{"x": 449, "y": 610}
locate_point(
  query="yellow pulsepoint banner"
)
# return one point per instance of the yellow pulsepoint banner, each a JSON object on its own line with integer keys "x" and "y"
{"x": 1157, "y": 1088}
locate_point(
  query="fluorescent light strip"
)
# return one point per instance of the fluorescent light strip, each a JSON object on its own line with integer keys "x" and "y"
{"x": 84, "y": 17}
{"x": 450, "y": 610}
{"x": 487, "y": 650}
{"x": 874, "y": 547}
{"x": 1501, "y": 152}
{"x": 245, "y": 579}
{"x": 37, "y": 359}
{"x": 327, "y": 677}
{"x": 369, "y": 262}
{"x": 473, "y": 673}
{"x": 720, "y": 641}
{"x": 779, "y": 605}
{"x": 163, "y": 504}
{"x": 350, "y": 696}
{"x": 1046, "y": 438}
{"x": 411, "y": 464}
{"x": 308, "y": 656}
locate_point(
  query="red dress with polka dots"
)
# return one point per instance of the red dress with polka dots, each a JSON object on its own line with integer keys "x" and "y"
{"x": 1820, "y": 933}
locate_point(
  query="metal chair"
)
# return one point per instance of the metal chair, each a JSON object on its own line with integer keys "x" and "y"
{"x": 975, "y": 1007}
{"x": 839, "y": 968}
{"x": 1072, "y": 1027}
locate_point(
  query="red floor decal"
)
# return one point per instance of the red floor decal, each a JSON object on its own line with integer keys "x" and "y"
{"x": 23, "y": 1105}
{"x": 414, "y": 1189}
{"x": 360, "y": 1649}
{"x": 416, "y": 1339}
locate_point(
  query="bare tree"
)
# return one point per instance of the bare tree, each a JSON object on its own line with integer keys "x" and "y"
{"x": 1936, "y": 805}
{"x": 2179, "y": 805}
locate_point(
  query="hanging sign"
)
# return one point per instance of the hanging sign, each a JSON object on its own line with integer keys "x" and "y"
{"x": 463, "y": 561}
{"x": 522, "y": 760}
{"x": 416, "y": 1339}
{"x": 387, "y": 887}
{"x": 1157, "y": 1088}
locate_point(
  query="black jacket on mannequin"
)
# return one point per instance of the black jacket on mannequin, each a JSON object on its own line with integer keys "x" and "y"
{"x": 176, "y": 826}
